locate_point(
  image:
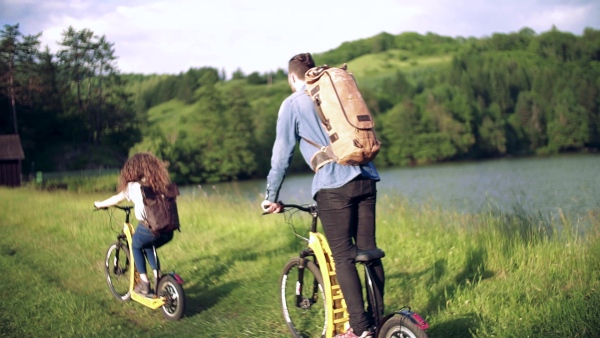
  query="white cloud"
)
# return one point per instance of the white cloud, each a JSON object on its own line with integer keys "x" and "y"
{"x": 172, "y": 36}
{"x": 565, "y": 17}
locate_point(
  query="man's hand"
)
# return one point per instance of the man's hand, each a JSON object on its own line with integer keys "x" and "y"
{"x": 271, "y": 207}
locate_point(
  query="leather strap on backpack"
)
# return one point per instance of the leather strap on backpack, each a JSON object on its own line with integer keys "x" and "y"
{"x": 323, "y": 156}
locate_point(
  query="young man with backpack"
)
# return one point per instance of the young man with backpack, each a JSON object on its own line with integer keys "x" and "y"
{"x": 345, "y": 194}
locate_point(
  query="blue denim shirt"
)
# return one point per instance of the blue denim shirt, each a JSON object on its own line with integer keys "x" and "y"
{"x": 298, "y": 119}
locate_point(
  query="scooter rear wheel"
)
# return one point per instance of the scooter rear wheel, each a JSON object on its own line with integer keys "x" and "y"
{"x": 174, "y": 306}
{"x": 401, "y": 327}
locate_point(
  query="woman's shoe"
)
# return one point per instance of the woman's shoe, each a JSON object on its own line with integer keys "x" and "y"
{"x": 142, "y": 288}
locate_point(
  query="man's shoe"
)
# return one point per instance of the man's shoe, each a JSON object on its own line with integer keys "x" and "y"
{"x": 142, "y": 288}
{"x": 350, "y": 334}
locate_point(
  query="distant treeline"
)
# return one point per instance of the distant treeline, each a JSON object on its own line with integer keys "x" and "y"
{"x": 64, "y": 105}
{"x": 509, "y": 94}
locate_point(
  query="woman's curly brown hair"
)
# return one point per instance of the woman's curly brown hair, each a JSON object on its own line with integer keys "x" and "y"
{"x": 147, "y": 169}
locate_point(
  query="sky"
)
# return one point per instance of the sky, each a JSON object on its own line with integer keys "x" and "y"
{"x": 169, "y": 37}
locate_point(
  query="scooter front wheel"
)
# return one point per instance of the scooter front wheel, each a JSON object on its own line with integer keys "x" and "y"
{"x": 303, "y": 299}
{"x": 172, "y": 291}
{"x": 117, "y": 270}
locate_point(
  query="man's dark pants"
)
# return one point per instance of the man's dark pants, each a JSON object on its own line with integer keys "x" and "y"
{"x": 348, "y": 217}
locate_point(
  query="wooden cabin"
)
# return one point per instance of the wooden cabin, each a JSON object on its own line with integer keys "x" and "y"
{"x": 11, "y": 155}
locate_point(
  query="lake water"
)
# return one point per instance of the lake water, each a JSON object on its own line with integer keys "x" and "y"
{"x": 544, "y": 184}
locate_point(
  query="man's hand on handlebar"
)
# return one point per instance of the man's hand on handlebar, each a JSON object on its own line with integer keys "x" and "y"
{"x": 271, "y": 207}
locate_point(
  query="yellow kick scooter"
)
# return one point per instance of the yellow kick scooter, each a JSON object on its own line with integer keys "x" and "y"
{"x": 121, "y": 276}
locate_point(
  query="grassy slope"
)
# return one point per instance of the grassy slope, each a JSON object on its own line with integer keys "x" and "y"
{"x": 173, "y": 115}
{"x": 483, "y": 275}
{"x": 389, "y": 62}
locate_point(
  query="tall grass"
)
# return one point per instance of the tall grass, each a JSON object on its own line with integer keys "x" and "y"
{"x": 106, "y": 183}
{"x": 490, "y": 274}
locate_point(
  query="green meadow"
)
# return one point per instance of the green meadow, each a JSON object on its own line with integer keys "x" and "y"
{"x": 489, "y": 274}
{"x": 388, "y": 63}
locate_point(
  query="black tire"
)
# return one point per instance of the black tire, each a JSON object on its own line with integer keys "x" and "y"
{"x": 174, "y": 306}
{"x": 401, "y": 327}
{"x": 117, "y": 271}
{"x": 310, "y": 318}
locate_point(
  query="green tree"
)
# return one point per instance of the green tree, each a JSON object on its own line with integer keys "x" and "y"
{"x": 256, "y": 79}
{"x": 238, "y": 74}
{"x": 238, "y": 142}
{"x": 74, "y": 59}
{"x": 382, "y": 42}
{"x": 18, "y": 55}
{"x": 393, "y": 90}
{"x": 492, "y": 132}
{"x": 8, "y": 55}
{"x": 207, "y": 137}
{"x": 266, "y": 107}
{"x": 400, "y": 128}
{"x": 529, "y": 121}
{"x": 557, "y": 45}
{"x": 568, "y": 129}
{"x": 187, "y": 86}
{"x": 103, "y": 66}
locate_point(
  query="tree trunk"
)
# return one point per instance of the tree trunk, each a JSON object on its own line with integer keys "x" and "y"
{"x": 13, "y": 102}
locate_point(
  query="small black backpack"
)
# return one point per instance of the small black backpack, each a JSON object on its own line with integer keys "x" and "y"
{"x": 161, "y": 209}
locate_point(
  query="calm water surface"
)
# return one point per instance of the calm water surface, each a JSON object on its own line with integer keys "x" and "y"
{"x": 569, "y": 182}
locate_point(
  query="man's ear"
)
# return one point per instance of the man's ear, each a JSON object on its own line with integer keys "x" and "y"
{"x": 292, "y": 81}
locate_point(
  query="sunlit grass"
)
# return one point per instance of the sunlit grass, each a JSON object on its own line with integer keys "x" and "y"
{"x": 490, "y": 274}
{"x": 388, "y": 63}
{"x": 172, "y": 117}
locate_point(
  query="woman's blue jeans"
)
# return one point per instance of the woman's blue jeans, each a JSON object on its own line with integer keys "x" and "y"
{"x": 143, "y": 242}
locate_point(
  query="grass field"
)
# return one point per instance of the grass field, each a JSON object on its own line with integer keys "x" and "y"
{"x": 483, "y": 275}
{"x": 387, "y": 63}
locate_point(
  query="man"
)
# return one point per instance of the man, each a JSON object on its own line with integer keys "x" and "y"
{"x": 345, "y": 195}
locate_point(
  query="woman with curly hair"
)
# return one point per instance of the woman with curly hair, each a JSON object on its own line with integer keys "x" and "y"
{"x": 142, "y": 169}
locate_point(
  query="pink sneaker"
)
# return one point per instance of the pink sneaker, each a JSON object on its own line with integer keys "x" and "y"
{"x": 350, "y": 334}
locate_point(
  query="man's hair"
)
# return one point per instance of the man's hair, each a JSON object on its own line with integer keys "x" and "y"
{"x": 299, "y": 64}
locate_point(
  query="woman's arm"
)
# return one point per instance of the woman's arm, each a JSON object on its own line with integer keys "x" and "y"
{"x": 116, "y": 199}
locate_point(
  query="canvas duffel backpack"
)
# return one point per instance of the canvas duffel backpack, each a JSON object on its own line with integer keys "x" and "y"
{"x": 344, "y": 115}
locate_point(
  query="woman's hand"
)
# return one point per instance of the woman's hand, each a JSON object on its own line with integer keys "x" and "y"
{"x": 116, "y": 199}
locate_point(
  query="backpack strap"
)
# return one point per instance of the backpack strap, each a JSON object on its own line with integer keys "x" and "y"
{"x": 316, "y": 98}
{"x": 145, "y": 222}
{"x": 323, "y": 156}
{"x": 312, "y": 143}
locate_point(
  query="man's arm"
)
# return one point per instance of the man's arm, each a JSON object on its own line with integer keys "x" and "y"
{"x": 283, "y": 150}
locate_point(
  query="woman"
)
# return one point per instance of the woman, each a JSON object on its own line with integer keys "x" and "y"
{"x": 142, "y": 169}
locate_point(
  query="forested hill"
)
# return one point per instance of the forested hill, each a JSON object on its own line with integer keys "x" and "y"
{"x": 435, "y": 99}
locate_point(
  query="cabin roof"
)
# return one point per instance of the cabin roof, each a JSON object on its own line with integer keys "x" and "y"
{"x": 10, "y": 147}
